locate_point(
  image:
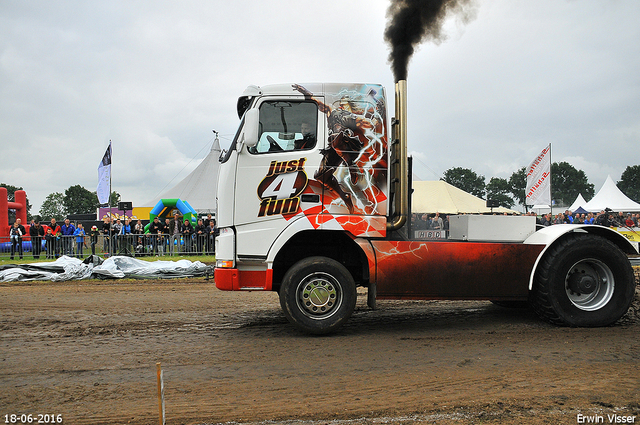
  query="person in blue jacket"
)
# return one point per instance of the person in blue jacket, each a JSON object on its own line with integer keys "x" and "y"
{"x": 67, "y": 230}
{"x": 80, "y": 243}
{"x": 125, "y": 236}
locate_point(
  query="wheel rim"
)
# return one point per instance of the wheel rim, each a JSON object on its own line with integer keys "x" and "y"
{"x": 589, "y": 284}
{"x": 319, "y": 295}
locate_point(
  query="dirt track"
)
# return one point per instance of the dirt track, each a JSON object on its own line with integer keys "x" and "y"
{"x": 87, "y": 350}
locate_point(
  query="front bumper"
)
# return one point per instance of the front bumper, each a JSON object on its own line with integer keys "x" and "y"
{"x": 243, "y": 280}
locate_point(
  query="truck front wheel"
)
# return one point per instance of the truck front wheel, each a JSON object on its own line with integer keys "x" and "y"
{"x": 585, "y": 280}
{"x": 318, "y": 295}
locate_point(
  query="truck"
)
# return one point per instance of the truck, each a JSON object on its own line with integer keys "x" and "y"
{"x": 313, "y": 202}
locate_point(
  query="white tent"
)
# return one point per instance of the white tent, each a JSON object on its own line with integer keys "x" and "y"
{"x": 579, "y": 202}
{"x": 440, "y": 196}
{"x": 541, "y": 209}
{"x": 609, "y": 196}
{"x": 200, "y": 187}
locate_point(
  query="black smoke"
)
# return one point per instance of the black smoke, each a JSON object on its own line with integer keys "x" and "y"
{"x": 412, "y": 22}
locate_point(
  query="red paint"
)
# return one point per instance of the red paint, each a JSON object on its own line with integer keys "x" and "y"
{"x": 236, "y": 280}
{"x": 453, "y": 270}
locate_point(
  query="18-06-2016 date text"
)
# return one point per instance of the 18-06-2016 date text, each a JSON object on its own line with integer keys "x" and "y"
{"x": 32, "y": 418}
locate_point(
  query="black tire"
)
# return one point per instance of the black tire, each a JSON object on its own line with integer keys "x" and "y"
{"x": 318, "y": 295}
{"x": 584, "y": 280}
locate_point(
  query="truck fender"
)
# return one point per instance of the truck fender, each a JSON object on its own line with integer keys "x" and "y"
{"x": 550, "y": 235}
{"x": 296, "y": 225}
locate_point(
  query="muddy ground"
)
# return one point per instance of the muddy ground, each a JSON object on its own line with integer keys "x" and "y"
{"x": 88, "y": 351}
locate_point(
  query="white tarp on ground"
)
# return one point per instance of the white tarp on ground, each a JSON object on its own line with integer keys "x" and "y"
{"x": 117, "y": 267}
{"x": 609, "y": 196}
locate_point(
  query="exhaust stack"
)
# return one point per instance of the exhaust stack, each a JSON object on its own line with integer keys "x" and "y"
{"x": 399, "y": 176}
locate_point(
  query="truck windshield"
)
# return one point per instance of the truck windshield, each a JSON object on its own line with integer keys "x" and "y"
{"x": 286, "y": 126}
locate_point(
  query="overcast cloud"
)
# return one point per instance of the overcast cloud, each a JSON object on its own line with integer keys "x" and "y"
{"x": 157, "y": 77}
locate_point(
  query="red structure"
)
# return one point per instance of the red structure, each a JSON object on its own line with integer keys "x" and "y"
{"x": 20, "y": 205}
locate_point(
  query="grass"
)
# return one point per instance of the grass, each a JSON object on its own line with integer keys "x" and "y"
{"x": 28, "y": 259}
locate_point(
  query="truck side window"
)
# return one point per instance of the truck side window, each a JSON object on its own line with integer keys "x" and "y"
{"x": 287, "y": 126}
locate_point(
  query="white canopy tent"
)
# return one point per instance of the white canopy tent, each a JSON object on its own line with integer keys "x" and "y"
{"x": 439, "y": 196}
{"x": 579, "y": 202}
{"x": 541, "y": 209}
{"x": 200, "y": 187}
{"x": 609, "y": 196}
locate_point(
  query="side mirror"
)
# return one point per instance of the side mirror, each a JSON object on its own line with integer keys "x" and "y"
{"x": 251, "y": 126}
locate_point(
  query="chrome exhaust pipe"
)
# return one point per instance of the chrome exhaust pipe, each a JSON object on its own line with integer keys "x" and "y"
{"x": 400, "y": 174}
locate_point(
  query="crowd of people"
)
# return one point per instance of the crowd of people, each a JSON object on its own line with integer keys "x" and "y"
{"x": 177, "y": 236}
{"x": 429, "y": 222}
{"x": 604, "y": 218}
{"x": 119, "y": 237}
{"x": 168, "y": 237}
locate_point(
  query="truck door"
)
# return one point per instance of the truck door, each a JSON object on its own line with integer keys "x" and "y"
{"x": 272, "y": 175}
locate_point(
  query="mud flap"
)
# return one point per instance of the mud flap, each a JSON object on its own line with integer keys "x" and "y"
{"x": 371, "y": 295}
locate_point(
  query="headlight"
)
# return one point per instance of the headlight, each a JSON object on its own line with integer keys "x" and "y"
{"x": 224, "y": 264}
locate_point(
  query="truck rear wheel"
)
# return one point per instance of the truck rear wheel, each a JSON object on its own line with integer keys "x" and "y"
{"x": 318, "y": 295}
{"x": 585, "y": 280}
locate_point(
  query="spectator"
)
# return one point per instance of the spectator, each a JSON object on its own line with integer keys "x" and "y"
{"x": 568, "y": 217}
{"x": 207, "y": 220}
{"x": 50, "y": 243}
{"x": 165, "y": 236}
{"x": 559, "y": 219}
{"x": 106, "y": 234}
{"x": 36, "y": 231}
{"x": 437, "y": 222}
{"x": 16, "y": 234}
{"x": 94, "y": 239}
{"x": 155, "y": 229}
{"x": 175, "y": 230}
{"x": 187, "y": 235}
{"x": 139, "y": 246}
{"x": 201, "y": 236}
{"x": 420, "y": 223}
{"x": 138, "y": 229}
{"x": 125, "y": 236}
{"x": 55, "y": 230}
{"x": 212, "y": 232}
{"x": 629, "y": 221}
{"x": 116, "y": 228}
{"x": 67, "y": 230}
{"x": 79, "y": 233}
{"x": 545, "y": 221}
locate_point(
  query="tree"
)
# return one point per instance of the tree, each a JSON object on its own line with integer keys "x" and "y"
{"x": 11, "y": 190}
{"x": 53, "y": 207}
{"x": 518, "y": 186}
{"x": 114, "y": 198}
{"x": 465, "y": 179}
{"x": 629, "y": 182}
{"x": 567, "y": 183}
{"x": 78, "y": 200}
{"x": 499, "y": 190}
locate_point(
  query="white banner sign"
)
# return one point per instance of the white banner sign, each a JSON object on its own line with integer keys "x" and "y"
{"x": 539, "y": 179}
{"x": 104, "y": 177}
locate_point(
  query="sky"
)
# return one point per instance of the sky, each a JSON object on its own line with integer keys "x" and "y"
{"x": 156, "y": 77}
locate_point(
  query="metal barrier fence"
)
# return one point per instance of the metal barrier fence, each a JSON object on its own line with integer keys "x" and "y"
{"x": 135, "y": 245}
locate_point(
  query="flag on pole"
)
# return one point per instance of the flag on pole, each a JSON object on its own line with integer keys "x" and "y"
{"x": 104, "y": 177}
{"x": 539, "y": 179}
